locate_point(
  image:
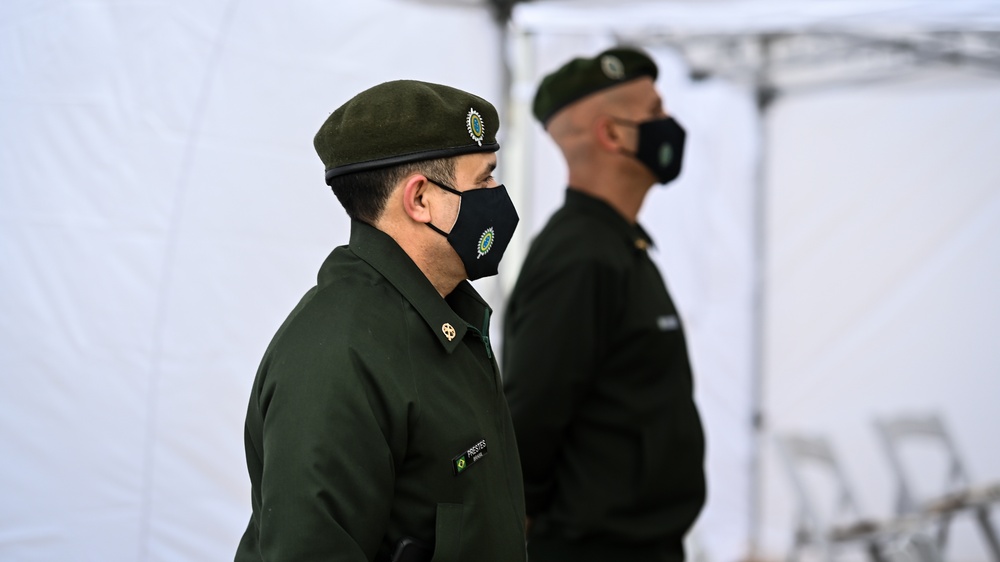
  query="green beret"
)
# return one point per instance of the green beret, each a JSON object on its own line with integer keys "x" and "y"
{"x": 405, "y": 121}
{"x": 581, "y": 77}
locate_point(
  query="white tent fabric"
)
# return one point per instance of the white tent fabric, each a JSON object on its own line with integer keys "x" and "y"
{"x": 879, "y": 234}
{"x": 161, "y": 211}
{"x": 652, "y": 17}
{"x": 885, "y": 243}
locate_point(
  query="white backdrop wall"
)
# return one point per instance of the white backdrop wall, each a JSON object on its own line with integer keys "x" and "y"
{"x": 884, "y": 237}
{"x": 161, "y": 210}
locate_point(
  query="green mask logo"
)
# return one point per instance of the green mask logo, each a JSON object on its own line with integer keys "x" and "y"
{"x": 485, "y": 243}
{"x": 666, "y": 154}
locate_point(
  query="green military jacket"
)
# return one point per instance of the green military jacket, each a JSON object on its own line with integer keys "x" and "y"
{"x": 600, "y": 389}
{"x": 378, "y": 413}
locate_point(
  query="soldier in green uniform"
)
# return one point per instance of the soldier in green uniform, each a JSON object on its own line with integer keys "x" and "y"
{"x": 377, "y": 428}
{"x": 595, "y": 362}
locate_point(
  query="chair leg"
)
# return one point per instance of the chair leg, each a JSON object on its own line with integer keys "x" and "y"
{"x": 983, "y": 515}
{"x": 942, "y": 535}
{"x": 827, "y": 552}
{"x": 793, "y": 553}
{"x": 925, "y": 548}
{"x": 874, "y": 552}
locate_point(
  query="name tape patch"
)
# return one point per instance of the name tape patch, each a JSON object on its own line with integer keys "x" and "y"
{"x": 667, "y": 323}
{"x": 474, "y": 454}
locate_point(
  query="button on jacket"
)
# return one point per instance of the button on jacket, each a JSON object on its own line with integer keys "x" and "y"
{"x": 378, "y": 413}
{"x": 600, "y": 389}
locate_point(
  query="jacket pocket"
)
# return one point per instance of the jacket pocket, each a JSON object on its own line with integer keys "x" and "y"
{"x": 448, "y": 532}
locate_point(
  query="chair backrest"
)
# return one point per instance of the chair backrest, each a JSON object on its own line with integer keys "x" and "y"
{"x": 899, "y": 432}
{"x": 806, "y": 456}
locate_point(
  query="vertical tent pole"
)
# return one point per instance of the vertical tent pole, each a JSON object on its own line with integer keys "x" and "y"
{"x": 765, "y": 93}
{"x": 517, "y": 155}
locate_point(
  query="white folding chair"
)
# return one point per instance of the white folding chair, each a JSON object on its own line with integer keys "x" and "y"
{"x": 832, "y": 521}
{"x": 958, "y": 494}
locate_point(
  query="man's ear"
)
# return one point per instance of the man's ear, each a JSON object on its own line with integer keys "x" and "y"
{"x": 607, "y": 134}
{"x": 415, "y": 202}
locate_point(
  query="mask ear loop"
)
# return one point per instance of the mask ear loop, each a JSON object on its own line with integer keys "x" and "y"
{"x": 629, "y": 123}
{"x": 438, "y": 230}
{"x": 445, "y": 187}
{"x": 448, "y": 189}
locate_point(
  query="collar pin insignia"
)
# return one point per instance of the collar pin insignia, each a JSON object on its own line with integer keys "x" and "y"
{"x": 448, "y": 330}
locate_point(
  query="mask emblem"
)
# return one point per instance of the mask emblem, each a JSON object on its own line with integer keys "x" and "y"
{"x": 666, "y": 155}
{"x": 485, "y": 242}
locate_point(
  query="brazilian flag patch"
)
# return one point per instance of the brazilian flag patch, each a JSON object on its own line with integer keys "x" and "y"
{"x": 471, "y": 456}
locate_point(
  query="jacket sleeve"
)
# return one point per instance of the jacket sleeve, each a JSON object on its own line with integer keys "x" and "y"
{"x": 555, "y": 338}
{"x": 327, "y": 478}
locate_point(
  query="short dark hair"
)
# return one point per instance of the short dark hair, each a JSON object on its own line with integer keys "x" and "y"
{"x": 364, "y": 194}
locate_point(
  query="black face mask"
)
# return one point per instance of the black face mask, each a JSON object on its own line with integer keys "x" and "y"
{"x": 484, "y": 227}
{"x": 661, "y": 147}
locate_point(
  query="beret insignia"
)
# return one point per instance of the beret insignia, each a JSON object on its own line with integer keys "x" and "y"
{"x": 474, "y": 123}
{"x": 612, "y": 67}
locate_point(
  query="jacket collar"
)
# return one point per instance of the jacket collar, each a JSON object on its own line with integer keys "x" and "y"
{"x": 633, "y": 235}
{"x": 382, "y": 253}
